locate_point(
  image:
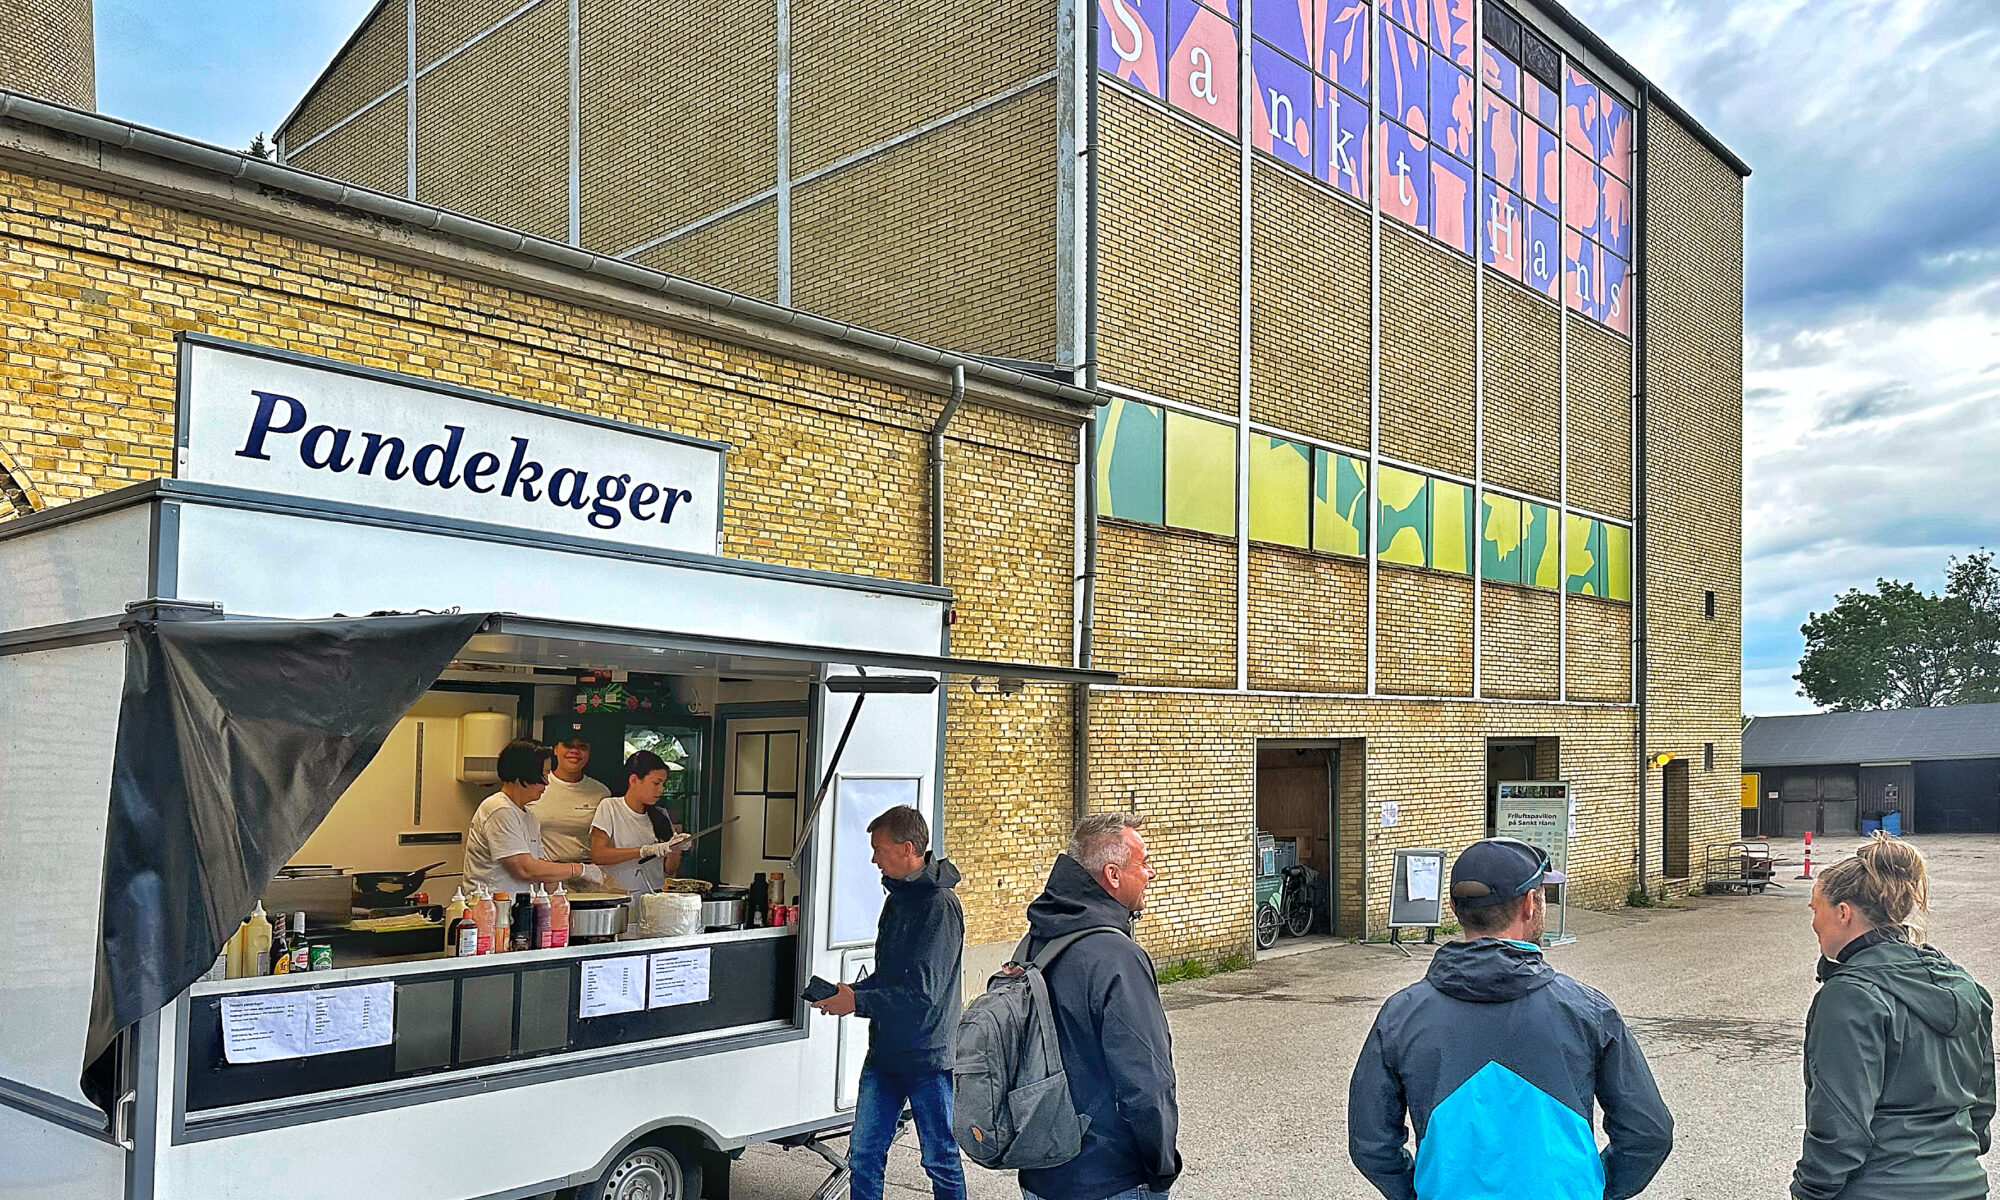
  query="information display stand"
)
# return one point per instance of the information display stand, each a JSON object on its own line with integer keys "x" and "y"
{"x": 1542, "y": 813}
{"x": 1416, "y": 894}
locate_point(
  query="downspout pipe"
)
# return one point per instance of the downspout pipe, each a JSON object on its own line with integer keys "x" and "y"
{"x": 938, "y": 428}
{"x": 1087, "y": 605}
{"x": 1642, "y": 294}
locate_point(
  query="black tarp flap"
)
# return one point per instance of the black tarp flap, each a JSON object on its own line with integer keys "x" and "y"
{"x": 234, "y": 740}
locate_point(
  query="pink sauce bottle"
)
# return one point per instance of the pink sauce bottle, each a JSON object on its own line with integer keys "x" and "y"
{"x": 544, "y": 910}
{"x": 559, "y": 918}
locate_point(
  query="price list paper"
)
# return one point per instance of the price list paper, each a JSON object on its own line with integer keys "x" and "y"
{"x": 271, "y": 1027}
{"x": 612, "y": 985}
{"x": 680, "y": 977}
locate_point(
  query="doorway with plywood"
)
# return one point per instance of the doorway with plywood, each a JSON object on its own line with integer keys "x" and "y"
{"x": 1297, "y": 807}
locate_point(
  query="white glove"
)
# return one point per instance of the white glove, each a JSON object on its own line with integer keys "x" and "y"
{"x": 680, "y": 841}
{"x": 590, "y": 873}
{"x": 655, "y": 850}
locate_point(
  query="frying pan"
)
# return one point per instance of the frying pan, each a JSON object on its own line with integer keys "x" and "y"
{"x": 386, "y": 889}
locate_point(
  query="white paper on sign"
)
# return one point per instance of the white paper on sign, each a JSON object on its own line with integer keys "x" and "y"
{"x": 1572, "y": 816}
{"x": 1390, "y": 815}
{"x": 273, "y": 1027}
{"x": 612, "y": 985}
{"x": 1420, "y": 877}
{"x": 679, "y": 977}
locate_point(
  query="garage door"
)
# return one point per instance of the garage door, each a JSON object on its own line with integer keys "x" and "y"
{"x": 1958, "y": 797}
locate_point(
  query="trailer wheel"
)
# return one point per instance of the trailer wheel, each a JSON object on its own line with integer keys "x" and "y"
{"x": 658, "y": 1169}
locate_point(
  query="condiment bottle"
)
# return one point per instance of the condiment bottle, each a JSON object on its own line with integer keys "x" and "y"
{"x": 503, "y": 922}
{"x": 485, "y": 917}
{"x": 544, "y": 909}
{"x": 559, "y": 918}
{"x": 300, "y": 948}
{"x": 453, "y": 914}
{"x": 522, "y": 935}
{"x": 257, "y": 943}
{"x": 234, "y": 949}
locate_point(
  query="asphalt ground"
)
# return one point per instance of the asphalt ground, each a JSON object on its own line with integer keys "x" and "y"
{"x": 1716, "y": 989}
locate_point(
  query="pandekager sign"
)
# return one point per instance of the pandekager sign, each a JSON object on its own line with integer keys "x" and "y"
{"x": 275, "y": 422}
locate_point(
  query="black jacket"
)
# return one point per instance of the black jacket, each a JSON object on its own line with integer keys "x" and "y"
{"x": 1496, "y": 1058}
{"x": 1899, "y": 1077}
{"x": 911, "y": 998}
{"x": 1115, "y": 1045}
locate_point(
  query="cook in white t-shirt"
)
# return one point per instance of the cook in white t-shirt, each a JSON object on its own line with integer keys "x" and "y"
{"x": 503, "y": 845}
{"x": 570, "y": 803}
{"x": 622, "y": 840}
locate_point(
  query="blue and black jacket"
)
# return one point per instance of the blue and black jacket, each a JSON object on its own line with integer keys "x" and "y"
{"x": 1496, "y": 1059}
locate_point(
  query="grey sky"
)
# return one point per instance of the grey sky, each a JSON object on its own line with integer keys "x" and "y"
{"x": 1873, "y": 260}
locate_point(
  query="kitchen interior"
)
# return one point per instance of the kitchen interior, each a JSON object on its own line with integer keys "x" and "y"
{"x": 376, "y": 882}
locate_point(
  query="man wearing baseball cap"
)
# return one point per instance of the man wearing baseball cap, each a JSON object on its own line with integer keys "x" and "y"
{"x": 1495, "y": 1061}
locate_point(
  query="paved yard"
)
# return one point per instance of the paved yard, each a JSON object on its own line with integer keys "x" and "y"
{"x": 1716, "y": 990}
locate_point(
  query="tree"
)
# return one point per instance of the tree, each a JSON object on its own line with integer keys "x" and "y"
{"x": 260, "y": 148}
{"x": 1899, "y": 647}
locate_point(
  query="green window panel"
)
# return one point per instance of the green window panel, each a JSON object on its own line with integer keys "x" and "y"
{"x": 1541, "y": 566}
{"x": 1131, "y": 462}
{"x": 1402, "y": 520}
{"x": 1586, "y": 556}
{"x": 1280, "y": 491}
{"x": 1451, "y": 526}
{"x": 1340, "y": 502}
{"x": 1502, "y": 553}
{"x": 1618, "y": 563}
{"x": 1201, "y": 474}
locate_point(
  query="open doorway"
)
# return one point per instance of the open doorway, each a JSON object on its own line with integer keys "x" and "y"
{"x": 1304, "y": 789}
{"x": 1518, "y": 760}
{"x": 1675, "y": 832}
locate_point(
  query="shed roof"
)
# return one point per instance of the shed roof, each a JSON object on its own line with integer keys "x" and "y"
{"x": 1891, "y": 735}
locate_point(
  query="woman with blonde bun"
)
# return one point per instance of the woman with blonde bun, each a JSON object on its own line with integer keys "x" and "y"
{"x": 1899, "y": 1043}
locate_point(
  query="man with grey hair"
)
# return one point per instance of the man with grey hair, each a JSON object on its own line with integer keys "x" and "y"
{"x": 1110, "y": 1025}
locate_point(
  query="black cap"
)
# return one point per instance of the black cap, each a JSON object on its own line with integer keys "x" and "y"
{"x": 574, "y": 739}
{"x": 1497, "y": 870}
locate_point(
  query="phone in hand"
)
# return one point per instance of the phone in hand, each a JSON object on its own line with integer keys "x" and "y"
{"x": 818, "y": 989}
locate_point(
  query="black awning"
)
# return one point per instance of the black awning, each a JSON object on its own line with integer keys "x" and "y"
{"x": 235, "y": 738}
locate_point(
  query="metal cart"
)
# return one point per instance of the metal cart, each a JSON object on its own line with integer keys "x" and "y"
{"x": 1745, "y": 864}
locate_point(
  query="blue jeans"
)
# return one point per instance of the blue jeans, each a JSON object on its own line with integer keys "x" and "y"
{"x": 875, "y": 1115}
{"x": 1142, "y": 1192}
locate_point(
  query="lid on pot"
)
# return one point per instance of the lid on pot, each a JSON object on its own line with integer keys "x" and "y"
{"x": 597, "y": 899}
{"x": 728, "y": 892}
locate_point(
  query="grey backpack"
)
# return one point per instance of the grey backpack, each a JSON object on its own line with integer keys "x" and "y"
{"x": 1011, "y": 1107}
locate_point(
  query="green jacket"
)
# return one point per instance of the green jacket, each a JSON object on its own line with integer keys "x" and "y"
{"x": 1899, "y": 1077}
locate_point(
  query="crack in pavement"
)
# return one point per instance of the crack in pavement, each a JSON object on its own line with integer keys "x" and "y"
{"x": 1699, "y": 1033}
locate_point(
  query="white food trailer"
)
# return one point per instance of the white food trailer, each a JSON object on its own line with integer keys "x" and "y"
{"x": 628, "y": 1068}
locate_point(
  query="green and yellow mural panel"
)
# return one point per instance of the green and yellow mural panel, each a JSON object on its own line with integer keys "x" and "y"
{"x": 1451, "y": 526}
{"x": 1502, "y": 553}
{"x": 1281, "y": 478}
{"x": 1340, "y": 502}
{"x": 1131, "y": 462}
{"x": 1586, "y": 556}
{"x": 1201, "y": 474}
{"x": 1402, "y": 518}
{"x": 1618, "y": 563}
{"x": 1541, "y": 561}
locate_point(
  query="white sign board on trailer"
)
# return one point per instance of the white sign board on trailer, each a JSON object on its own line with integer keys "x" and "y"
{"x": 272, "y": 421}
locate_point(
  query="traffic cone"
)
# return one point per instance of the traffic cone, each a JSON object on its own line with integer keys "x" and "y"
{"x": 1808, "y": 871}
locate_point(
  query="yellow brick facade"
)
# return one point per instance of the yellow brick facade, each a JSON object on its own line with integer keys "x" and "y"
{"x": 1519, "y": 650}
{"x": 1308, "y": 308}
{"x": 738, "y": 252}
{"x": 1427, "y": 399}
{"x": 1308, "y": 621}
{"x": 1423, "y": 632}
{"x": 1523, "y": 390}
{"x": 1166, "y": 606}
{"x": 50, "y": 50}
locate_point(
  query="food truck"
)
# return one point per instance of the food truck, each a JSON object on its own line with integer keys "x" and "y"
{"x": 279, "y": 677}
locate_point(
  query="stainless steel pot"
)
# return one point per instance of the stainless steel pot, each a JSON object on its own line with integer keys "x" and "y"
{"x": 598, "y": 915}
{"x": 724, "y": 914}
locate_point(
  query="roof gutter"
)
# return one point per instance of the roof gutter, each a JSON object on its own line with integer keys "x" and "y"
{"x": 124, "y": 135}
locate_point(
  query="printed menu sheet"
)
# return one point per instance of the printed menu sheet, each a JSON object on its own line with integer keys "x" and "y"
{"x": 1420, "y": 877}
{"x": 612, "y": 985}
{"x": 273, "y": 1026}
{"x": 680, "y": 977}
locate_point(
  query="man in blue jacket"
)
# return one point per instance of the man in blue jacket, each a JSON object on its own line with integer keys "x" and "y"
{"x": 1496, "y": 1059}
{"x": 911, "y": 1005}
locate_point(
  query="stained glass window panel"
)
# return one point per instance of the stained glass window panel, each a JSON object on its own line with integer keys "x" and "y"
{"x": 1201, "y": 474}
{"x": 1500, "y": 156}
{"x": 1280, "y": 490}
{"x": 1347, "y": 39}
{"x": 1284, "y": 25}
{"x": 1282, "y": 109}
{"x": 1131, "y": 42}
{"x": 1452, "y": 202}
{"x": 1451, "y": 526}
{"x": 1501, "y": 73}
{"x": 1618, "y": 562}
{"x": 1450, "y": 109}
{"x": 1502, "y": 225}
{"x": 1131, "y": 461}
{"x": 1201, "y": 64}
{"x": 1541, "y": 563}
{"x": 1500, "y": 546}
{"x": 1340, "y": 502}
{"x": 1405, "y": 171}
{"x": 1542, "y": 261}
{"x": 1403, "y": 517}
{"x": 1406, "y": 80}
{"x": 1340, "y": 140}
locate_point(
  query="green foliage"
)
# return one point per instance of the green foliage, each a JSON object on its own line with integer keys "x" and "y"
{"x": 1232, "y": 962}
{"x": 1899, "y": 647}
{"x": 1638, "y": 898}
{"x": 1179, "y": 972}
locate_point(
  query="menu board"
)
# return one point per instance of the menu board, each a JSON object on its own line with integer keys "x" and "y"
{"x": 679, "y": 977}
{"x": 612, "y": 985}
{"x": 1539, "y": 814}
{"x": 273, "y": 1026}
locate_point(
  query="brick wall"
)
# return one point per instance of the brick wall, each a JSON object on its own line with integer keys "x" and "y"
{"x": 1308, "y": 308}
{"x": 1007, "y": 791}
{"x": 445, "y": 25}
{"x": 493, "y": 127}
{"x": 1520, "y": 631}
{"x": 1600, "y": 419}
{"x": 371, "y": 150}
{"x": 858, "y": 79}
{"x": 48, "y": 50}
{"x": 376, "y": 60}
{"x": 679, "y": 114}
{"x": 1600, "y": 649}
{"x": 1694, "y": 503}
{"x": 1166, "y": 606}
{"x": 1308, "y": 620}
{"x": 739, "y": 252}
{"x": 883, "y": 243}
{"x": 1426, "y": 353}
{"x": 1523, "y": 390}
{"x": 1168, "y": 245}
{"x": 1423, "y": 639}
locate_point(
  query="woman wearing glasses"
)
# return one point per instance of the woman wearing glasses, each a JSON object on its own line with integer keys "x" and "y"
{"x": 1899, "y": 1043}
